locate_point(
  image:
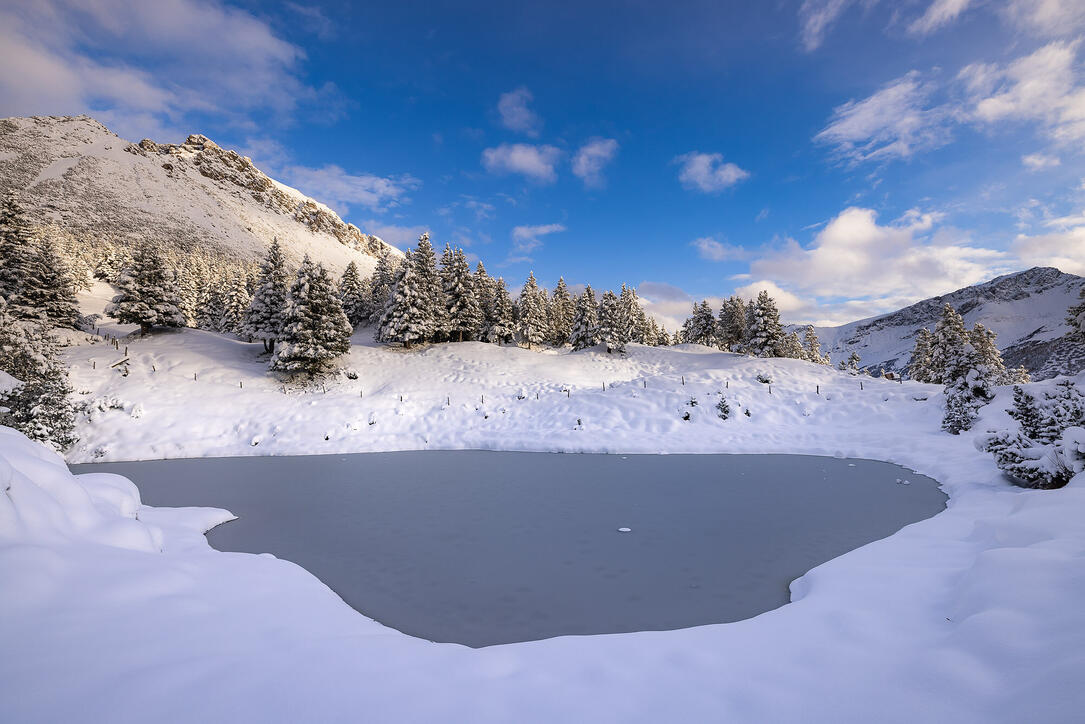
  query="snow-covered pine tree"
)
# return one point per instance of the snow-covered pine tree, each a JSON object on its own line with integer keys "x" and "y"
{"x": 947, "y": 345}
{"x": 264, "y": 318}
{"x": 651, "y": 332}
{"x": 966, "y": 387}
{"x": 212, "y": 306}
{"x": 731, "y": 328}
{"x": 664, "y": 339}
{"x": 188, "y": 291}
{"x": 765, "y": 331}
{"x": 39, "y": 404}
{"x": 612, "y": 326}
{"x": 700, "y": 328}
{"x": 585, "y": 331}
{"x": 54, "y": 291}
{"x": 315, "y": 330}
{"x": 384, "y": 278}
{"x": 429, "y": 283}
{"x": 532, "y": 321}
{"x": 235, "y": 304}
{"x": 851, "y": 364}
{"x": 352, "y": 294}
{"x": 1075, "y": 317}
{"x": 632, "y": 316}
{"x": 21, "y": 283}
{"x": 408, "y": 315}
{"x": 562, "y": 313}
{"x": 502, "y": 328}
{"x": 812, "y": 346}
{"x": 485, "y": 290}
{"x": 148, "y": 293}
{"x": 464, "y": 310}
{"x": 791, "y": 347}
{"x": 988, "y": 358}
{"x": 1027, "y": 413}
{"x": 1049, "y": 449}
{"x": 919, "y": 366}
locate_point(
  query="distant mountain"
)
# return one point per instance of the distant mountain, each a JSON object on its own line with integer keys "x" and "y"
{"x": 1026, "y": 309}
{"x": 74, "y": 171}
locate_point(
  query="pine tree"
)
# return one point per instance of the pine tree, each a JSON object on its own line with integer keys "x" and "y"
{"x": 315, "y": 330}
{"x": 21, "y": 283}
{"x": 791, "y": 347}
{"x": 148, "y": 293}
{"x": 919, "y": 366}
{"x": 236, "y": 302}
{"x": 212, "y": 307}
{"x": 632, "y": 318}
{"x": 700, "y": 328}
{"x": 947, "y": 345}
{"x": 464, "y": 311}
{"x": 485, "y": 290}
{"x": 665, "y": 339}
{"x": 384, "y": 278}
{"x": 532, "y": 320}
{"x": 39, "y": 404}
{"x": 612, "y": 327}
{"x": 988, "y": 358}
{"x": 562, "y": 314}
{"x": 765, "y": 331}
{"x": 408, "y": 317}
{"x": 502, "y": 329}
{"x": 430, "y": 285}
{"x": 264, "y": 318}
{"x": 585, "y": 331}
{"x": 731, "y": 329}
{"x": 352, "y": 295}
{"x": 812, "y": 346}
{"x": 966, "y": 387}
{"x": 54, "y": 293}
{"x": 851, "y": 364}
{"x": 1027, "y": 413}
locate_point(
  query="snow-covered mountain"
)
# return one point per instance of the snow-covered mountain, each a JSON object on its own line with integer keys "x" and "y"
{"x": 74, "y": 171}
{"x": 1026, "y": 309}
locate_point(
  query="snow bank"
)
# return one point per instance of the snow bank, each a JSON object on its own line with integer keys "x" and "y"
{"x": 117, "y": 612}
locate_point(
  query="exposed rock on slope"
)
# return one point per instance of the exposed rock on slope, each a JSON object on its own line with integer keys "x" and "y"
{"x": 76, "y": 172}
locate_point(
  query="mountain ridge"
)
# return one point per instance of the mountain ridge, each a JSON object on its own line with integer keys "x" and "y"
{"x": 1026, "y": 309}
{"x": 74, "y": 171}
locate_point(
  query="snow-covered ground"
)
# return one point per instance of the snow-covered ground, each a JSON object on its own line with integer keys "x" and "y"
{"x": 113, "y": 611}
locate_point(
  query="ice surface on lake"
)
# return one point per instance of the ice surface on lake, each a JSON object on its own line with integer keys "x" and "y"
{"x": 483, "y": 548}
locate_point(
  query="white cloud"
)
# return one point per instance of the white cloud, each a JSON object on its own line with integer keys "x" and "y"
{"x": 707, "y": 172}
{"x": 335, "y": 187}
{"x": 535, "y": 162}
{"x": 525, "y": 239}
{"x": 875, "y": 268}
{"x": 938, "y": 14}
{"x": 592, "y": 158}
{"x": 146, "y": 66}
{"x": 816, "y": 17}
{"x": 893, "y": 123}
{"x": 1039, "y": 161}
{"x": 709, "y": 248}
{"x": 1062, "y": 249}
{"x": 515, "y": 114}
{"x": 399, "y": 236}
{"x": 1039, "y": 87}
{"x": 1045, "y": 18}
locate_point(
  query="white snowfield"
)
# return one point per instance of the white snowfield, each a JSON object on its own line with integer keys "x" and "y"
{"x": 112, "y": 611}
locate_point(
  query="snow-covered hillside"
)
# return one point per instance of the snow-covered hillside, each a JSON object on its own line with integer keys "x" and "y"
{"x": 121, "y": 612}
{"x": 1026, "y": 309}
{"x": 75, "y": 171}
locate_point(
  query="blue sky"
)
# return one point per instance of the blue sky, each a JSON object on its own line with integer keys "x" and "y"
{"x": 851, "y": 156}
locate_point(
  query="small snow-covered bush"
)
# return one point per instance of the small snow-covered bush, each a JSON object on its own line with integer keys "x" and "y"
{"x": 764, "y": 379}
{"x": 1049, "y": 448}
{"x": 723, "y": 409}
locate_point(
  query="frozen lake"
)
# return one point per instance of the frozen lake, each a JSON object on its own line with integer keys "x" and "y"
{"x": 485, "y": 548}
